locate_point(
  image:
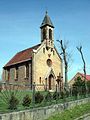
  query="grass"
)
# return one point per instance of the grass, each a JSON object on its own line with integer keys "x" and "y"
{"x": 72, "y": 113}
{"x": 20, "y": 94}
{"x": 5, "y": 96}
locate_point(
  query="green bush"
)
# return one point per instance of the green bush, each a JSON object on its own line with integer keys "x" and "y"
{"x": 67, "y": 93}
{"x": 48, "y": 96}
{"x": 62, "y": 94}
{"x": 38, "y": 97}
{"x": 74, "y": 91}
{"x": 26, "y": 101}
{"x": 55, "y": 95}
{"x": 13, "y": 102}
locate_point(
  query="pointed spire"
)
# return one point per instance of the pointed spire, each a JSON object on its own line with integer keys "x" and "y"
{"x": 46, "y": 21}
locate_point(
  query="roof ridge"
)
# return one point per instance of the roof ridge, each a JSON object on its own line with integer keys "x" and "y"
{"x": 28, "y": 48}
{"x": 82, "y": 73}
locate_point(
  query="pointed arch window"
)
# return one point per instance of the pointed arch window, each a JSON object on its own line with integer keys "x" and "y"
{"x": 50, "y": 34}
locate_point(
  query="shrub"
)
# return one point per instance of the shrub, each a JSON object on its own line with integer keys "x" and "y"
{"x": 55, "y": 95}
{"x": 62, "y": 94}
{"x": 75, "y": 91}
{"x": 48, "y": 96}
{"x": 38, "y": 97}
{"x": 26, "y": 101}
{"x": 13, "y": 102}
{"x": 0, "y": 88}
{"x": 67, "y": 93}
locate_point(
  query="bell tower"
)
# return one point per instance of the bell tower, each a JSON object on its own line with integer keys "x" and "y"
{"x": 47, "y": 31}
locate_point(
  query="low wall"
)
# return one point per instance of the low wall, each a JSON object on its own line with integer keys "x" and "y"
{"x": 43, "y": 112}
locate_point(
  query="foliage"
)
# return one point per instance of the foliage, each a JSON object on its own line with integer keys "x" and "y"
{"x": 72, "y": 114}
{"x": 38, "y": 97}
{"x": 55, "y": 95}
{"x": 78, "y": 87}
{"x": 0, "y": 88}
{"x": 13, "y": 102}
{"x": 26, "y": 101}
{"x": 66, "y": 92}
{"x": 88, "y": 86}
{"x": 62, "y": 94}
{"x": 48, "y": 96}
{"x": 78, "y": 82}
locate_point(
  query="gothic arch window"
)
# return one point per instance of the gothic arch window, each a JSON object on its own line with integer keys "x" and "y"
{"x": 50, "y": 34}
{"x": 44, "y": 33}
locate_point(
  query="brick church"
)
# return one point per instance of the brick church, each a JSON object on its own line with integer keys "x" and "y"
{"x": 40, "y": 64}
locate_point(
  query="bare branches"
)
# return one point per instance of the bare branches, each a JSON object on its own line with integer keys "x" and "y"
{"x": 63, "y": 52}
{"x": 84, "y": 64}
{"x": 80, "y": 50}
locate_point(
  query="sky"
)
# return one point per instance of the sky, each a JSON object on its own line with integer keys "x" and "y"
{"x": 20, "y": 22}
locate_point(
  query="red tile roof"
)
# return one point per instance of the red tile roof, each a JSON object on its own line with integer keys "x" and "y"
{"x": 87, "y": 76}
{"x": 22, "y": 56}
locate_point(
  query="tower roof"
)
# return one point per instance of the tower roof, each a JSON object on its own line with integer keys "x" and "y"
{"x": 46, "y": 21}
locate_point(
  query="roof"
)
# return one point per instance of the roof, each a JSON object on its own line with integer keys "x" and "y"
{"x": 80, "y": 74}
{"x": 22, "y": 56}
{"x": 46, "y": 21}
{"x": 87, "y": 76}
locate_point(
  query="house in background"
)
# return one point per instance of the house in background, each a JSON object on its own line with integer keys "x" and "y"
{"x": 40, "y": 64}
{"x": 71, "y": 82}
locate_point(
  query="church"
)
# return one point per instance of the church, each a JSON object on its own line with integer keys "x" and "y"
{"x": 40, "y": 64}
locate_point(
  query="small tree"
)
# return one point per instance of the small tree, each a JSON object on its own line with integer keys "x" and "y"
{"x": 26, "y": 101}
{"x": 88, "y": 86}
{"x": 56, "y": 95}
{"x": 38, "y": 97}
{"x": 13, "y": 102}
{"x": 78, "y": 86}
{"x": 64, "y": 53}
{"x": 48, "y": 96}
{"x": 84, "y": 65}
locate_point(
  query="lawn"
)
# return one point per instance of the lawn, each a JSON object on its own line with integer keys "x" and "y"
{"x": 72, "y": 113}
{"x": 5, "y": 95}
{"x": 20, "y": 94}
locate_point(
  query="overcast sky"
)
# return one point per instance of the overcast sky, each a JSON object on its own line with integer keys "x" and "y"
{"x": 20, "y": 22}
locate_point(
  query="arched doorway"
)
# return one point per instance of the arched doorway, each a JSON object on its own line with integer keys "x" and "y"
{"x": 51, "y": 78}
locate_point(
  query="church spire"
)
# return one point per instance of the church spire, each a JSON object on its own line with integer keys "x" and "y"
{"x": 47, "y": 21}
{"x": 47, "y": 31}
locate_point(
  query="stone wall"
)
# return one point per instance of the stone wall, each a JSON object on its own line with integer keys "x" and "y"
{"x": 21, "y": 73}
{"x": 43, "y": 112}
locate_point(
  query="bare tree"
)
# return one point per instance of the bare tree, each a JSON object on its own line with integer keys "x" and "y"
{"x": 84, "y": 65}
{"x": 63, "y": 48}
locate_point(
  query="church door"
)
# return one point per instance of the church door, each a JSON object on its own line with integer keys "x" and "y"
{"x": 50, "y": 81}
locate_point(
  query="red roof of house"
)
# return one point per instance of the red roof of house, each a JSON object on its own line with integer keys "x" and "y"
{"x": 87, "y": 76}
{"x": 22, "y": 56}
